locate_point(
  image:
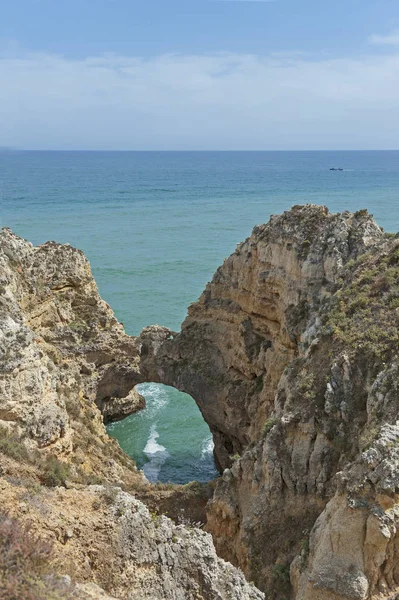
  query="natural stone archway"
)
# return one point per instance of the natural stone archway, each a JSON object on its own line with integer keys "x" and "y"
{"x": 63, "y": 354}
{"x": 285, "y": 407}
{"x": 250, "y": 322}
{"x": 159, "y": 363}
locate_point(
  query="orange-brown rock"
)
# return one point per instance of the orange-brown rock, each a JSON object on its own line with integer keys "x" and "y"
{"x": 291, "y": 354}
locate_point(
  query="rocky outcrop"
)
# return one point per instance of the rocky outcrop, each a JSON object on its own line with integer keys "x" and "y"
{"x": 353, "y": 547}
{"x": 66, "y": 365}
{"x": 253, "y": 319}
{"x": 291, "y": 355}
{"x": 110, "y": 541}
{"x": 50, "y": 306}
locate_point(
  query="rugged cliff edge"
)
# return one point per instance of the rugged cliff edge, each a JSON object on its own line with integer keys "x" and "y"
{"x": 291, "y": 354}
{"x": 67, "y": 528}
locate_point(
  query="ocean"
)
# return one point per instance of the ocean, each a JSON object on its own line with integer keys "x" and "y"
{"x": 156, "y": 225}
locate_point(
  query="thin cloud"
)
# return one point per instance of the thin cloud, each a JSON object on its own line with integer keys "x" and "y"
{"x": 385, "y": 40}
{"x": 217, "y": 101}
{"x": 248, "y": 1}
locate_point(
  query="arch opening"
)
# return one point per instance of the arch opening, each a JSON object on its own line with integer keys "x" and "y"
{"x": 169, "y": 439}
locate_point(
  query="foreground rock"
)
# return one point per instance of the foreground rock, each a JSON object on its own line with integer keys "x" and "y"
{"x": 106, "y": 539}
{"x": 292, "y": 356}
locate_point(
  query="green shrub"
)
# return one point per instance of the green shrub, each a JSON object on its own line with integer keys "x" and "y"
{"x": 269, "y": 424}
{"x": 258, "y": 384}
{"x": 363, "y": 212}
{"x": 92, "y": 479}
{"x": 362, "y": 313}
{"x": 282, "y": 573}
{"x": 79, "y": 326}
{"x": 168, "y": 485}
{"x": 306, "y": 383}
{"x": 305, "y": 550}
{"x": 11, "y": 445}
{"x": 54, "y": 472}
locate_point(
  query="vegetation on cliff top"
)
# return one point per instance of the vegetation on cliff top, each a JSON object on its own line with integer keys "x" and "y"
{"x": 364, "y": 313}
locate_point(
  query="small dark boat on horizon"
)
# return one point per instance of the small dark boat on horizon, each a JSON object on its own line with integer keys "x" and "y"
{"x": 336, "y": 169}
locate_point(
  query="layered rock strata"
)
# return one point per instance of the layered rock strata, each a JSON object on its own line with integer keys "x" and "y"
{"x": 291, "y": 354}
{"x": 49, "y": 297}
{"x": 66, "y": 365}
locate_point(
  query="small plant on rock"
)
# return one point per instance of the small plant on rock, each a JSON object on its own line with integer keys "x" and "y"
{"x": 11, "y": 445}
{"x": 109, "y": 495}
{"x": 268, "y": 426}
{"x": 55, "y": 473}
{"x": 25, "y": 568}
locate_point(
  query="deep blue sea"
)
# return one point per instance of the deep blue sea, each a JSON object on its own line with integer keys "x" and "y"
{"x": 156, "y": 225}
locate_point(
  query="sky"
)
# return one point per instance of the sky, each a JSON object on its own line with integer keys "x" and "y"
{"x": 199, "y": 74}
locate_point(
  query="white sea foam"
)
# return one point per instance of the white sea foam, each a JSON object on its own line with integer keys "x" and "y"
{"x": 207, "y": 448}
{"x": 157, "y": 455}
{"x": 152, "y": 446}
{"x": 155, "y": 395}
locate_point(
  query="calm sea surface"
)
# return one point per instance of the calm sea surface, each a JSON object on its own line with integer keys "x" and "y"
{"x": 156, "y": 225}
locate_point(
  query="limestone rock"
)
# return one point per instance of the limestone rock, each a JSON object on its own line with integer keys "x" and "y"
{"x": 120, "y": 550}
{"x": 254, "y": 318}
{"x": 291, "y": 355}
{"x": 66, "y": 365}
{"x": 58, "y": 339}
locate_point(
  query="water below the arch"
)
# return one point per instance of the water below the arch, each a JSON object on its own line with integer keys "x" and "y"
{"x": 158, "y": 439}
{"x": 155, "y": 227}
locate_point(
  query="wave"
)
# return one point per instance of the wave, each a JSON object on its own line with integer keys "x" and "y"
{"x": 157, "y": 455}
{"x": 155, "y": 395}
{"x": 207, "y": 448}
{"x": 152, "y": 447}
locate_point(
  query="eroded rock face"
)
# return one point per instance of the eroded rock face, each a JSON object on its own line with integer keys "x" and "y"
{"x": 58, "y": 338}
{"x": 291, "y": 354}
{"x": 64, "y": 360}
{"x": 116, "y": 549}
{"x": 253, "y": 319}
{"x": 286, "y": 354}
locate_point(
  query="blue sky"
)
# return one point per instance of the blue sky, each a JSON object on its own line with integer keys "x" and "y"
{"x": 199, "y": 74}
{"x": 77, "y": 28}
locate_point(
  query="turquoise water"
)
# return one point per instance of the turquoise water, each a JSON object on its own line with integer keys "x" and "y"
{"x": 156, "y": 225}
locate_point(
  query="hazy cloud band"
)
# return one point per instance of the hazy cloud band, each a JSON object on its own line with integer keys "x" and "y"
{"x": 221, "y": 101}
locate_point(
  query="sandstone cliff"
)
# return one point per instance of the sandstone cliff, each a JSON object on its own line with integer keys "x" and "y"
{"x": 66, "y": 365}
{"x": 291, "y": 354}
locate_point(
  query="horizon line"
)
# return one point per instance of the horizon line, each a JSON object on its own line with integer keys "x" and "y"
{"x": 12, "y": 150}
